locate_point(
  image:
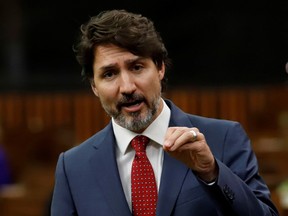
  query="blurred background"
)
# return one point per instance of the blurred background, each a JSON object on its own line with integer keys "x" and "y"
{"x": 228, "y": 62}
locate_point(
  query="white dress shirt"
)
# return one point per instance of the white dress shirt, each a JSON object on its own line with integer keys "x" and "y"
{"x": 125, "y": 153}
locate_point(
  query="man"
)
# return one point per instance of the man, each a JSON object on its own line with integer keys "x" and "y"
{"x": 200, "y": 166}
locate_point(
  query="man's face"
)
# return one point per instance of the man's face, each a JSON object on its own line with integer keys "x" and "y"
{"x": 128, "y": 86}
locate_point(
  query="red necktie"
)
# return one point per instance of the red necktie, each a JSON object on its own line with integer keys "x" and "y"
{"x": 143, "y": 183}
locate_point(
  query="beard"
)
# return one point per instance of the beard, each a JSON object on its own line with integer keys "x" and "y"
{"x": 135, "y": 121}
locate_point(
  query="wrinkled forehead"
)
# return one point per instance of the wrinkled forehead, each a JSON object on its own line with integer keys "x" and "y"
{"x": 109, "y": 55}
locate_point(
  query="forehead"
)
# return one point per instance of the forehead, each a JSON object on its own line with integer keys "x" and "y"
{"x": 111, "y": 54}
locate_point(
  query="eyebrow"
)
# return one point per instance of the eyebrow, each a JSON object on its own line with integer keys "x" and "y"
{"x": 128, "y": 61}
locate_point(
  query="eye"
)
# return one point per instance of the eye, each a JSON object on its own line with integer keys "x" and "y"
{"x": 137, "y": 67}
{"x": 108, "y": 74}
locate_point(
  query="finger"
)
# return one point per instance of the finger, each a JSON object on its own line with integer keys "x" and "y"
{"x": 177, "y": 136}
{"x": 171, "y": 135}
{"x": 185, "y": 137}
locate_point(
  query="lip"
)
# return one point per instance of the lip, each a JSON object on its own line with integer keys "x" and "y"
{"x": 135, "y": 108}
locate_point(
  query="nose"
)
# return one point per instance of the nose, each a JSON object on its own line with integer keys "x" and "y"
{"x": 127, "y": 83}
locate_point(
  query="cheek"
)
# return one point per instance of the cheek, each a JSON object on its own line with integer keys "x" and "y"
{"x": 107, "y": 93}
{"x": 151, "y": 89}
{"x": 154, "y": 85}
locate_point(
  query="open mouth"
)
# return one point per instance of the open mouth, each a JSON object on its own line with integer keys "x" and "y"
{"x": 132, "y": 106}
{"x": 133, "y": 103}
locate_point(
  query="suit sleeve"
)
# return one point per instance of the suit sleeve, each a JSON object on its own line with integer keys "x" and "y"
{"x": 239, "y": 184}
{"x": 62, "y": 202}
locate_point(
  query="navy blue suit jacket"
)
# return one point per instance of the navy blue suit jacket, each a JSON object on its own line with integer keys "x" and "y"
{"x": 88, "y": 184}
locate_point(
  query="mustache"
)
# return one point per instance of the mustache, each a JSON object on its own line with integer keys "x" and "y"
{"x": 129, "y": 99}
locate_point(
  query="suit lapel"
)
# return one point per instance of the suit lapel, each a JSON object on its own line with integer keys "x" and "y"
{"x": 173, "y": 175}
{"x": 174, "y": 171}
{"x": 104, "y": 165}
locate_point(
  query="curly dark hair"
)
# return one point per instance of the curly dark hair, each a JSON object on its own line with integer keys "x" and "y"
{"x": 127, "y": 30}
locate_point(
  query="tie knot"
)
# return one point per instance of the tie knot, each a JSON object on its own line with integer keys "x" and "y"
{"x": 139, "y": 143}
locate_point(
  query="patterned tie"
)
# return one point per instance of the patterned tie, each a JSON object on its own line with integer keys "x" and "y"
{"x": 143, "y": 183}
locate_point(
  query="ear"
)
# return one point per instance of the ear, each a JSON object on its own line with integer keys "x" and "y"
{"x": 162, "y": 71}
{"x": 94, "y": 88}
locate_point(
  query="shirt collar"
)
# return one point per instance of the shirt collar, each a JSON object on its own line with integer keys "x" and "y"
{"x": 155, "y": 131}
